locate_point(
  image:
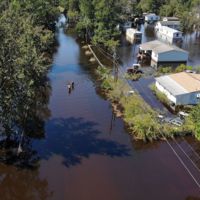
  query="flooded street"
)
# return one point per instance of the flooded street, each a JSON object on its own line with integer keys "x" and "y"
{"x": 85, "y": 153}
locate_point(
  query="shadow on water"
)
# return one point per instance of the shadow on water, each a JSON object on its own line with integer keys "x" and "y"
{"x": 28, "y": 124}
{"x": 75, "y": 139}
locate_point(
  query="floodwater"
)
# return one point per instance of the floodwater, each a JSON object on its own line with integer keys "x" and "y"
{"x": 128, "y": 55}
{"x": 85, "y": 153}
{"x": 191, "y": 43}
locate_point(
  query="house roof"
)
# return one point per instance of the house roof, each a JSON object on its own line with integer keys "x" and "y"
{"x": 132, "y": 31}
{"x": 180, "y": 83}
{"x": 151, "y": 14}
{"x": 170, "y": 30}
{"x": 168, "y": 23}
{"x": 159, "y": 47}
{"x": 190, "y": 81}
{"x": 170, "y": 18}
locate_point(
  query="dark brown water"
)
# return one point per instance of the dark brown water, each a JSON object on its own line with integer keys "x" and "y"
{"x": 85, "y": 154}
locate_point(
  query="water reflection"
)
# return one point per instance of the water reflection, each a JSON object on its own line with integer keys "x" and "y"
{"x": 19, "y": 172}
{"x": 192, "y": 198}
{"x": 22, "y": 185}
{"x": 27, "y": 124}
{"x": 75, "y": 139}
{"x": 68, "y": 51}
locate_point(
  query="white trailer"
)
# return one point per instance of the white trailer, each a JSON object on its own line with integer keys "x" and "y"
{"x": 169, "y": 35}
{"x": 133, "y": 35}
{"x": 151, "y": 17}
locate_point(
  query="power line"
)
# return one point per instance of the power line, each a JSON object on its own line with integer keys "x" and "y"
{"x": 192, "y": 148}
{"x": 186, "y": 155}
{"x": 179, "y": 158}
{"x": 173, "y": 150}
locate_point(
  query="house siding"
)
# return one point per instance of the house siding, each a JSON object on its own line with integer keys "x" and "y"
{"x": 166, "y": 92}
{"x": 183, "y": 99}
{"x": 188, "y": 99}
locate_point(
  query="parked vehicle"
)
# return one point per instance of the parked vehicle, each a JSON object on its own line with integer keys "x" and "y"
{"x": 190, "y": 71}
{"x": 183, "y": 115}
{"x": 167, "y": 119}
{"x": 177, "y": 121}
{"x": 134, "y": 69}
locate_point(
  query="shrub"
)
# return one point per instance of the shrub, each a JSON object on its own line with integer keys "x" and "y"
{"x": 165, "y": 70}
{"x": 161, "y": 96}
{"x": 182, "y": 68}
{"x": 133, "y": 77}
{"x": 140, "y": 118}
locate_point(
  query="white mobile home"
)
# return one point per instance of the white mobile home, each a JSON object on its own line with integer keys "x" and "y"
{"x": 169, "y": 35}
{"x": 181, "y": 88}
{"x": 151, "y": 17}
{"x": 133, "y": 35}
{"x": 171, "y": 24}
{"x": 163, "y": 54}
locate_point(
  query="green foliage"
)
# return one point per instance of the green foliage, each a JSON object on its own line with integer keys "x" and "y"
{"x": 182, "y": 68}
{"x": 106, "y": 17}
{"x": 151, "y": 5}
{"x": 165, "y": 70}
{"x": 198, "y": 69}
{"x": 97, "y": 20}
{"x": 133, "y": 77}
{"x": 193, "y": 121}
{"x": 24, "y": 63}
{"x": 140, "y": 118}
{"x": 161, "y": 96}
{"x": 103, "y": 72}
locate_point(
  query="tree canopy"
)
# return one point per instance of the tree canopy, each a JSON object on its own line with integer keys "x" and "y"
{"x": 26, "y": 31}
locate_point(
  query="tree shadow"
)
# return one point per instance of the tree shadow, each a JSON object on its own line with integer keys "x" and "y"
{"x": 74, "y": 139}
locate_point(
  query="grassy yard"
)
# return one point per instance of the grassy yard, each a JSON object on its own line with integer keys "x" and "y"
{"x": 140, "y": 118}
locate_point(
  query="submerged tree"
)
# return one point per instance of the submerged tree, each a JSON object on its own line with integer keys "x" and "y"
{"x": 24, "y": 88}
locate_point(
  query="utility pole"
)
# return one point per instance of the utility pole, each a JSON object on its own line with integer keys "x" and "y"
{"x": 115, "y": 66}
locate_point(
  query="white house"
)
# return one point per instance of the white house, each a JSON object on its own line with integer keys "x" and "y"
{"x": 169, "y": 35}
{"x": 151, "y": 17}
{"x": 171, "y": 24}
{"x": 181, "y": 88}
{"x": 133, "y": 35}
{"x": 163, "y": 54}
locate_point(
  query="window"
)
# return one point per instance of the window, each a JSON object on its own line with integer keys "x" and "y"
{"x": 198, "y": 96}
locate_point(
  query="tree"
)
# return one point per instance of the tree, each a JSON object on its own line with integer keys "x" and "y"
{"x": 151, "y": 5}
{"x": 193, "y": 121}
{"x": 106, "y": 19}
{"x": 23, "y": 69}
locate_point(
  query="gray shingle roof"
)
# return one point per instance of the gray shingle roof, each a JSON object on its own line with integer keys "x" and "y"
{"x": 171, "y": 86}
{"x": 159, "y": 47}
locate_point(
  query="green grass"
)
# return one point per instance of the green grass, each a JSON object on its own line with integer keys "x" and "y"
{"x": 140, "y": 118}
{"x": 162, "y": 97}
{"x": 133, "y": 77}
